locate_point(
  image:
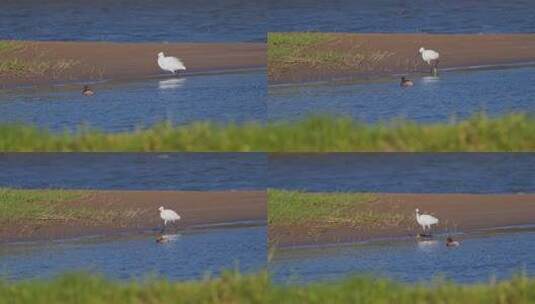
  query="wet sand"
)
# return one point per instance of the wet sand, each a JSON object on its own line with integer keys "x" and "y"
{"x": 456, "y": 212}
{"x": 456, "y": 51}
{"x": 129, "y": 61}
{"x": 141, "y": 213}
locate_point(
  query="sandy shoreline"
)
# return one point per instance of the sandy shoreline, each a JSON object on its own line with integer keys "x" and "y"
{"x": 456, "y": 212}
{"x": 85, "y": 61}
{"x": 141, "y": 209}
{"x": 401, "y": 56}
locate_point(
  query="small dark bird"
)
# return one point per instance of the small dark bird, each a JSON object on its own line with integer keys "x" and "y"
{"x": 86, "y": 91}
{"x": 406, "y": 82}
{"x": 451, "y": 243}
{"x": 162, "y": 239}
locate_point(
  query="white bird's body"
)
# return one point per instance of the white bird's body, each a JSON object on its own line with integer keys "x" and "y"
{"x": 429, "y": 55}
{"x": 169, "y": 63}
{"x": 425, "y": 220}
{"x": 168, "y": 215}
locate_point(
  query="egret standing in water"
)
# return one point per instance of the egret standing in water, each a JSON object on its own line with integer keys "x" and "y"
{"x": 169, "y": 63}
{"x": 168, "y": 215}
{"x": 431, "y": 57}
{"x": 425, "y": 220}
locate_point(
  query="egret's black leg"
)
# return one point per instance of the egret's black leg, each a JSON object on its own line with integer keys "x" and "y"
{"x": 434, "y": 70}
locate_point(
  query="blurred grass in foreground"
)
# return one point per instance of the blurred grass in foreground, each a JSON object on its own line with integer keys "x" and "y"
{"x": 233, "y": 287}
{"x": 511, "y": 132}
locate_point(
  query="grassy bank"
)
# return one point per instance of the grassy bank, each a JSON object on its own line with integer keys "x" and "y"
{"x": 513, "y": 132}
{"x": 312, "y": 214}
{"x": 296, "y": 208}
{"x": 20, "y": 206}
{"x": 236, "y": 288}
{"x": 319, "y": 51}
{"x": 22, "y": 60}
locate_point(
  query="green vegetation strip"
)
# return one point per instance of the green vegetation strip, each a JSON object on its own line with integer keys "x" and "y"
{"x": 19, "y": 206}
{"x": 292, "y": 47}
{"x": 353, "y": 209}
{"x": 10, "y": 66}
{"x": 512, "y": 132}
{"x": 258, "y": 288}
{"x": 35, "y": 63}
{"x": 319, "y": 51}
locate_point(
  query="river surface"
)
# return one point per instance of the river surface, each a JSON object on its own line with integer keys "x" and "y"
{"x": 454, "y": 95}
{"x": 134, "y": 171}
{"x": 126, "y": 106}
{"x": 404, "y": 172}
{"x": 188, "y": 256}
{"x": 240, "y": 20}
{"x": 425, "y": 16}
{"x": 479, "y": 258}
{"x": 134, "y": 20}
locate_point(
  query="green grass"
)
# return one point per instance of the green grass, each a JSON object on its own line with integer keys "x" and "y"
{"x": 14, "y": 64}
{"x": 7, "y": 46}
{"x": 290, "y": 46}
{"x": 11, "y": 66}
{"x": 512, "y": 132}
{"x": 233, "y": 287}
{"x": 20, "y": 206}
{"x": 318, "y": 51}
{"x": 327, "y": 209}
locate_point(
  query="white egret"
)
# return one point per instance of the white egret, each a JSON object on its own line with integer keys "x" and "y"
{"x": 425, "y": 220}
{"x": 431, "y": 57}
{"x": 168, "y": 215}
{"x": 169, "y": 63}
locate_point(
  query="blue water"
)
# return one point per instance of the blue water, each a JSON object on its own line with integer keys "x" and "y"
{"x": 453, "y": 95}
{"x": 190, "y": 256}
{"x": 429, "y": 16}
{"x": 239, "y": 20}
{"x": 478, "y": 259}
{"x": 404, "y": 172}
{"x": 118, "y": 107}
{"x": 134, "y": 171}
{"x": 134, "y": 20}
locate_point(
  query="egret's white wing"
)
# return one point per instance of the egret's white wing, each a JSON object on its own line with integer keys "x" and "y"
{"x": 173, "y": 63}
{"x": 428, "y": 219}
{"x": 170, "y": 215}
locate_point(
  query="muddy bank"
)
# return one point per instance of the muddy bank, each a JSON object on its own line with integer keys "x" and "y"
{"x": 139, "y": 213}
{"x": 456, "y": 212}
{"x": 375, "y": 55}
{"x": 57, "y": 62}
